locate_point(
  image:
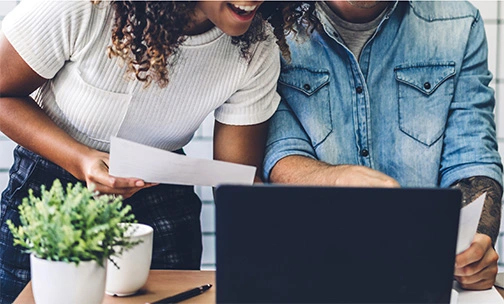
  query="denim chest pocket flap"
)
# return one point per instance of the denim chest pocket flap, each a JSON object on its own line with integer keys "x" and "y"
{"x": 303, "y": 79}
{"x": 307, "y": 93}
{"x": 424, "y": 94}
{"x": 426, "y": 78}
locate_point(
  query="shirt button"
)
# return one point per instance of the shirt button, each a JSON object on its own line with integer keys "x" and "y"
{"x": 358, "y": 89}
{"x": 364, "y": 153}
{"x": 427, "y": 85}
{"x": 306, "y": 86}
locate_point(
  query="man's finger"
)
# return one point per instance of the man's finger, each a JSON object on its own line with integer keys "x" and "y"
{"x": 486, "y": 273}
{"x": 472, "y": 254}
{"x": 480, "y": 285}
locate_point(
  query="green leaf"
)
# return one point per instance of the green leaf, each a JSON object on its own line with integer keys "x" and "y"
{"x": 72, "y": 224}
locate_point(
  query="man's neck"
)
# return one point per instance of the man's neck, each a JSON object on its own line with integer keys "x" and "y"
{"x": 357, "y": 11}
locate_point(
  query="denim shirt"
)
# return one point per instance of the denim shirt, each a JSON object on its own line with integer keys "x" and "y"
{"x": 415, "y": 106}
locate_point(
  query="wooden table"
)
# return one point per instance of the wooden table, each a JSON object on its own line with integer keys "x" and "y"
{"x": 160, "y": 284}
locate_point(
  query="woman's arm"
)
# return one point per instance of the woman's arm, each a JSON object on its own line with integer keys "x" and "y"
{"x": 25, "y": 123}
{"x": 241, "y": 144}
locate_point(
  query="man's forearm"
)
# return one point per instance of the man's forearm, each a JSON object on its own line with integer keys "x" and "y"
{"x": 300, "y": 170}
{"x": 472, "y": 188}
{"x": 303, "y": 170}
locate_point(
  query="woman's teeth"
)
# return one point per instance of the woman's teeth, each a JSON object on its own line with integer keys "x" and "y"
{"x": 247, "y": 8}
{"x": 243, "y": 9}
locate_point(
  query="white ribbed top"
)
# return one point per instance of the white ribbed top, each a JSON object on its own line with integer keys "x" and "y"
{"x": 89, "y": 97}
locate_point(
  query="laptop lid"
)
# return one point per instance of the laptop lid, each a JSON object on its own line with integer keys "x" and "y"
{"x": 289, "y": 244}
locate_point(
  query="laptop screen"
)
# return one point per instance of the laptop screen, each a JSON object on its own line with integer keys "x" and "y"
{"x": 289, "y": 244}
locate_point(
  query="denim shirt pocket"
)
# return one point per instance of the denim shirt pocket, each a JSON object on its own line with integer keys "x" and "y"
{"x": 307, "y": 93}
{"x": 425, "y": 91}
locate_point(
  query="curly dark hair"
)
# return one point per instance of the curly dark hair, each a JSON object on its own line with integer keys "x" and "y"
{"x": 146, "y": 34}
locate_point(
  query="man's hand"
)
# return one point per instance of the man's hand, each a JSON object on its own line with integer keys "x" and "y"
{"x": 476, "y": 267}
{"x": 360, "y": 176}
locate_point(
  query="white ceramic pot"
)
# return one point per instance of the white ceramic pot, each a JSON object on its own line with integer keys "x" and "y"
{"x": 134, "y": 263}
{"x": 61, "y": 282}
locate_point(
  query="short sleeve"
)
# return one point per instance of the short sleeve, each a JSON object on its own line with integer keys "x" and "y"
{"x": 257, "y": 99}
{"x": 45, "y": 33}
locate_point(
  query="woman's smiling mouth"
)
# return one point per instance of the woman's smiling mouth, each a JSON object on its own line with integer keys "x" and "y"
{"x": 244, "y": 12}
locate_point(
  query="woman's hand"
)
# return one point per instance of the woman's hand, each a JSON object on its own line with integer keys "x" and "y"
{"x": 95, "y": 170}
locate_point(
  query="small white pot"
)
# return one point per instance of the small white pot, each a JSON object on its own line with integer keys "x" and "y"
{"x": 60, "y": 282}
{"x": 134, "y": 263}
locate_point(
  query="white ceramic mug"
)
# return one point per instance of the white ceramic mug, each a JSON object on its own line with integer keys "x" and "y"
{"x": 134, "y": 264}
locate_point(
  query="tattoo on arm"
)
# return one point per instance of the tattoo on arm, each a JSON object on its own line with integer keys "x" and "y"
{"x": 472, "y": 188}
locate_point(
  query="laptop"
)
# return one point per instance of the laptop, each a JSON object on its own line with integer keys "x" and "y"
{"x": 293, "y": 244}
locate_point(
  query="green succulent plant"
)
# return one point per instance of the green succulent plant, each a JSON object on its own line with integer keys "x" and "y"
{"x": 73, "y": 225}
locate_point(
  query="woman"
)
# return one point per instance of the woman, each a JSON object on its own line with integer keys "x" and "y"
{"x": 181, "y": 61}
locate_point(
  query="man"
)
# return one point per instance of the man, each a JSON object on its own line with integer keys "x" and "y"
{"x": 391, "y": 94}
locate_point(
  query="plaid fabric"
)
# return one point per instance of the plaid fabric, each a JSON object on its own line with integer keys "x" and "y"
{"x": 172, "y": 210}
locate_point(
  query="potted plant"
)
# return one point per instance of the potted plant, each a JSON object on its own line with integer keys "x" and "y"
{"x": 70, "y": 233}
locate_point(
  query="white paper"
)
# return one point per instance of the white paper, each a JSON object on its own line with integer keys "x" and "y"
{"x": 489, "y": 296}
{"x": 454, "y": 296}
{"x": 468, "y": 223}
{"x": 131, "y": 159}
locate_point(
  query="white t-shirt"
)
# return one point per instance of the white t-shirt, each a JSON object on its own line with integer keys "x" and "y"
{"x": 88, "y": 96}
